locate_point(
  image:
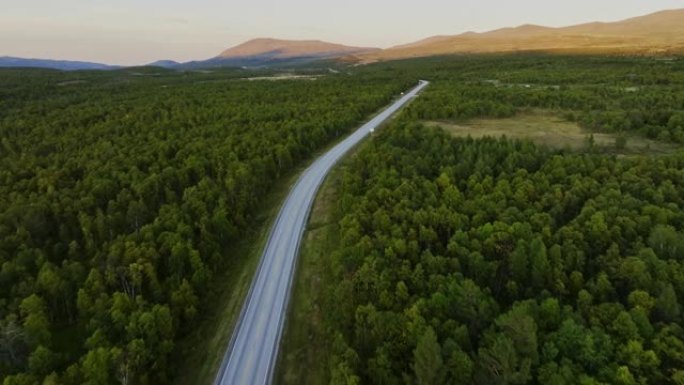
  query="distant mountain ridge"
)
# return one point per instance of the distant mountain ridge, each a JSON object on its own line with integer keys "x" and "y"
{"x": 64, "y": 65}
{"x": 164, "y": 64}
{"x": 284, "y": 49}
{"x": 656, "y": 33}
{"x": 254, "y": 53}
{"x": 265, "y": 51}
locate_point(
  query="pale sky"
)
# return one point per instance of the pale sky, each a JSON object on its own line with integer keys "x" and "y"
{"x": 141, "y": 31}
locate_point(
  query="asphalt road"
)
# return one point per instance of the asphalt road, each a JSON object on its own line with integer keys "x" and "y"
{"x": 253, "y": 350}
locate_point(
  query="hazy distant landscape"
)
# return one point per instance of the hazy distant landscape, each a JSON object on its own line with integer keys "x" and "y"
{"x": 501, "y": 207}
{"x": 661, "y": 33}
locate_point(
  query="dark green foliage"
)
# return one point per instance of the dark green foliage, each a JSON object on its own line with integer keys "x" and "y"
{"x": 462, "y": 261}
{"x": 119, "y": 194}
{"x": 498, "y": 262}
{"x": 428, "y": 365}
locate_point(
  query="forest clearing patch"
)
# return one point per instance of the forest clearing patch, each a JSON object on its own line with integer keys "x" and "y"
{"x": 549, "y": 129}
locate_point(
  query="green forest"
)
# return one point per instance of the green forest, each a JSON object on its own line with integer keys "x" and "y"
{"x": 497, "y": 261}
{"x": 120, "y": 192}
{"x": 616, "y": 95}
{"x": 456, "y": 261}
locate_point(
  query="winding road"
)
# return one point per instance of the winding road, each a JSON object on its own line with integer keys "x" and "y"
{"x": 252, "y": 354}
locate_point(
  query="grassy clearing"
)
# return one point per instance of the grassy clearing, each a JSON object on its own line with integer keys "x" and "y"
{"x": 548, "y": 129}
{"x": 303, "y": 357}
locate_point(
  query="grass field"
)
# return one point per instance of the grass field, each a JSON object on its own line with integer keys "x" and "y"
{"x": 546, "y": 128}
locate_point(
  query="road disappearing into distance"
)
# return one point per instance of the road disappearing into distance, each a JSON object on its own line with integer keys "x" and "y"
{"x": 252, "y": 354}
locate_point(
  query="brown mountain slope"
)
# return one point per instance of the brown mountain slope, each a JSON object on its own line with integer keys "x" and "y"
{"x": 661, "y": 32}
{"x": 665, "y": 24}
{"x": 285, "y": 49}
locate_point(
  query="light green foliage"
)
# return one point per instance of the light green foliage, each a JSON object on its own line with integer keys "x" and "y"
{"x": 667, "y": 305}
{"x": 428, "y": 365}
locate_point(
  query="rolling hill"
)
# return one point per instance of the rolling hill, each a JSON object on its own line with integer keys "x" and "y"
{"x": 164, "y": 64}
{"x": 657, "y": 33}
{"x": 286, "y": 49}
{"x": 268, "y": 52}
{"x": 265, "y": 52}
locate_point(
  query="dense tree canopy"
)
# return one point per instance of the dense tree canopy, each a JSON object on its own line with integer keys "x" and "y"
{"x": 498, "y": 262}
{"x": 461, "y": 261}
{"x": 119, "y": 193}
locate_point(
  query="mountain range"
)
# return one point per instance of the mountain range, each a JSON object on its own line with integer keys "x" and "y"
{"x": 660, "y": 33}
{"x": 273, "y": 49}
{"x": 274, "y": 52}
{"x": 657, "y": 33}
{"x": 66, "y": 65}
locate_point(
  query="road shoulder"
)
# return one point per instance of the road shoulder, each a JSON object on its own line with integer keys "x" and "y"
{"x": 303, "y": 358}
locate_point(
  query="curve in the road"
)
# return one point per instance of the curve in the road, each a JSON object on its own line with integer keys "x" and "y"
{"x": 251, "y": 355}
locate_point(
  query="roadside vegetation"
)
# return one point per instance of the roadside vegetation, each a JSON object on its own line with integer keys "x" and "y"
{"x": 198, "y": 354}
{"x": 125, "y": 196}
{"x": 305, "y": 346}
{"x": 497, "y": 261}
{"x": 450, "y": 254}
